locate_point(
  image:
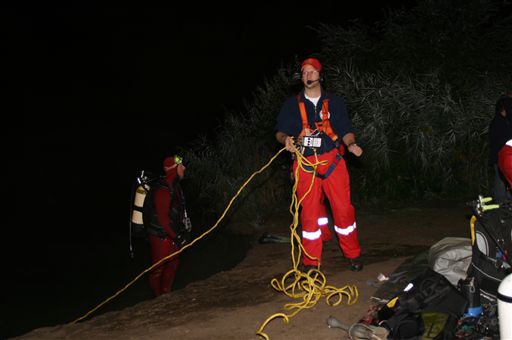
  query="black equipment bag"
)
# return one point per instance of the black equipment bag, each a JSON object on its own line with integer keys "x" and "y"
{"x": 491, "y": 249}
{"x": 429, "y": 292}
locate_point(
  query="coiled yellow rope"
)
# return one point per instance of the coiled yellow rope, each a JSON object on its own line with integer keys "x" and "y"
{"x": 187, "y": 245}
{"x": 310, "y": 286}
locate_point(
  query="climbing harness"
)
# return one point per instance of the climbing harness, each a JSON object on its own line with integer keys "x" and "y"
{"x": 322, "y": 126}
{"x": 312, "y": 138}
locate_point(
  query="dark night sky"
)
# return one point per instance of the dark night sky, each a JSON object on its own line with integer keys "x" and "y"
{"x": 113, "y": 89}
{"x": 96, "y": 64}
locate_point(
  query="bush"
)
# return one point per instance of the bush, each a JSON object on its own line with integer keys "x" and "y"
{"x": 420, "y": 88}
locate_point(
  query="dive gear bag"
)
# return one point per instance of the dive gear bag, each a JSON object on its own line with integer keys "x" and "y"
{"x": 491, "y": 247}
{"x": 430, "y": 292}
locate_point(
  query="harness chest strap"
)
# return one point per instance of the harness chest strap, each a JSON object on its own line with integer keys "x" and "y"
{"x": 324, "y": 125}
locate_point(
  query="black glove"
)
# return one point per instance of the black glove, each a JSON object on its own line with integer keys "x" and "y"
{"x": 182, "y": 239}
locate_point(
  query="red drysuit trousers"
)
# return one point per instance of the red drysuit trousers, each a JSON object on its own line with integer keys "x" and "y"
{"x": 336, "y": 187}
{"x": 505, "y": 162}
{"x": 162, "y": 277}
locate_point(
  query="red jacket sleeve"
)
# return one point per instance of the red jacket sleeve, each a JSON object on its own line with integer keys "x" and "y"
{"x": 162, "y": 206}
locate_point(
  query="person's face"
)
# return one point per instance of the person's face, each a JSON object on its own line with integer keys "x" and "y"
{"x": 311, "y": 74}
{"x": 181, "y": 170}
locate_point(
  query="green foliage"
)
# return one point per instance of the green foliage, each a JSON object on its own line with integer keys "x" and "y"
{"x": 420, "y": 87}
{"x": 419, "y": 141}
{"x": 462, "y": 41}
{"x": 243, "y": 144}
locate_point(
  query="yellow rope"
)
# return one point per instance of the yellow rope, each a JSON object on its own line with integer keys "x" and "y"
{"x": 186, "y": 246}
{"x": 311, "y": 286}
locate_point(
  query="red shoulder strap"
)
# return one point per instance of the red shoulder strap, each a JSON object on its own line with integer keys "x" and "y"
{"x": 303, "y": 115}
{"x": 326, "y": 124}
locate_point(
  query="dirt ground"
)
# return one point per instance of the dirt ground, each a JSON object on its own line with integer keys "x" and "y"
{"x": 234, "y": 304}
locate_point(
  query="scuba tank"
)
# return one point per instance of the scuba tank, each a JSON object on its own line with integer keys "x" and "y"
{"x": 505, "y": 307}
{"x": 137, "y": 209}
{"x": 136, "y": 226}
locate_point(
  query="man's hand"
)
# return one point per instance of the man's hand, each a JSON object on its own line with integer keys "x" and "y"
{"x": 355, "y": 149}
{"x": 350, "y": 141}
{"x": 286, "y": 140}
{"x": 289, "y": 144}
